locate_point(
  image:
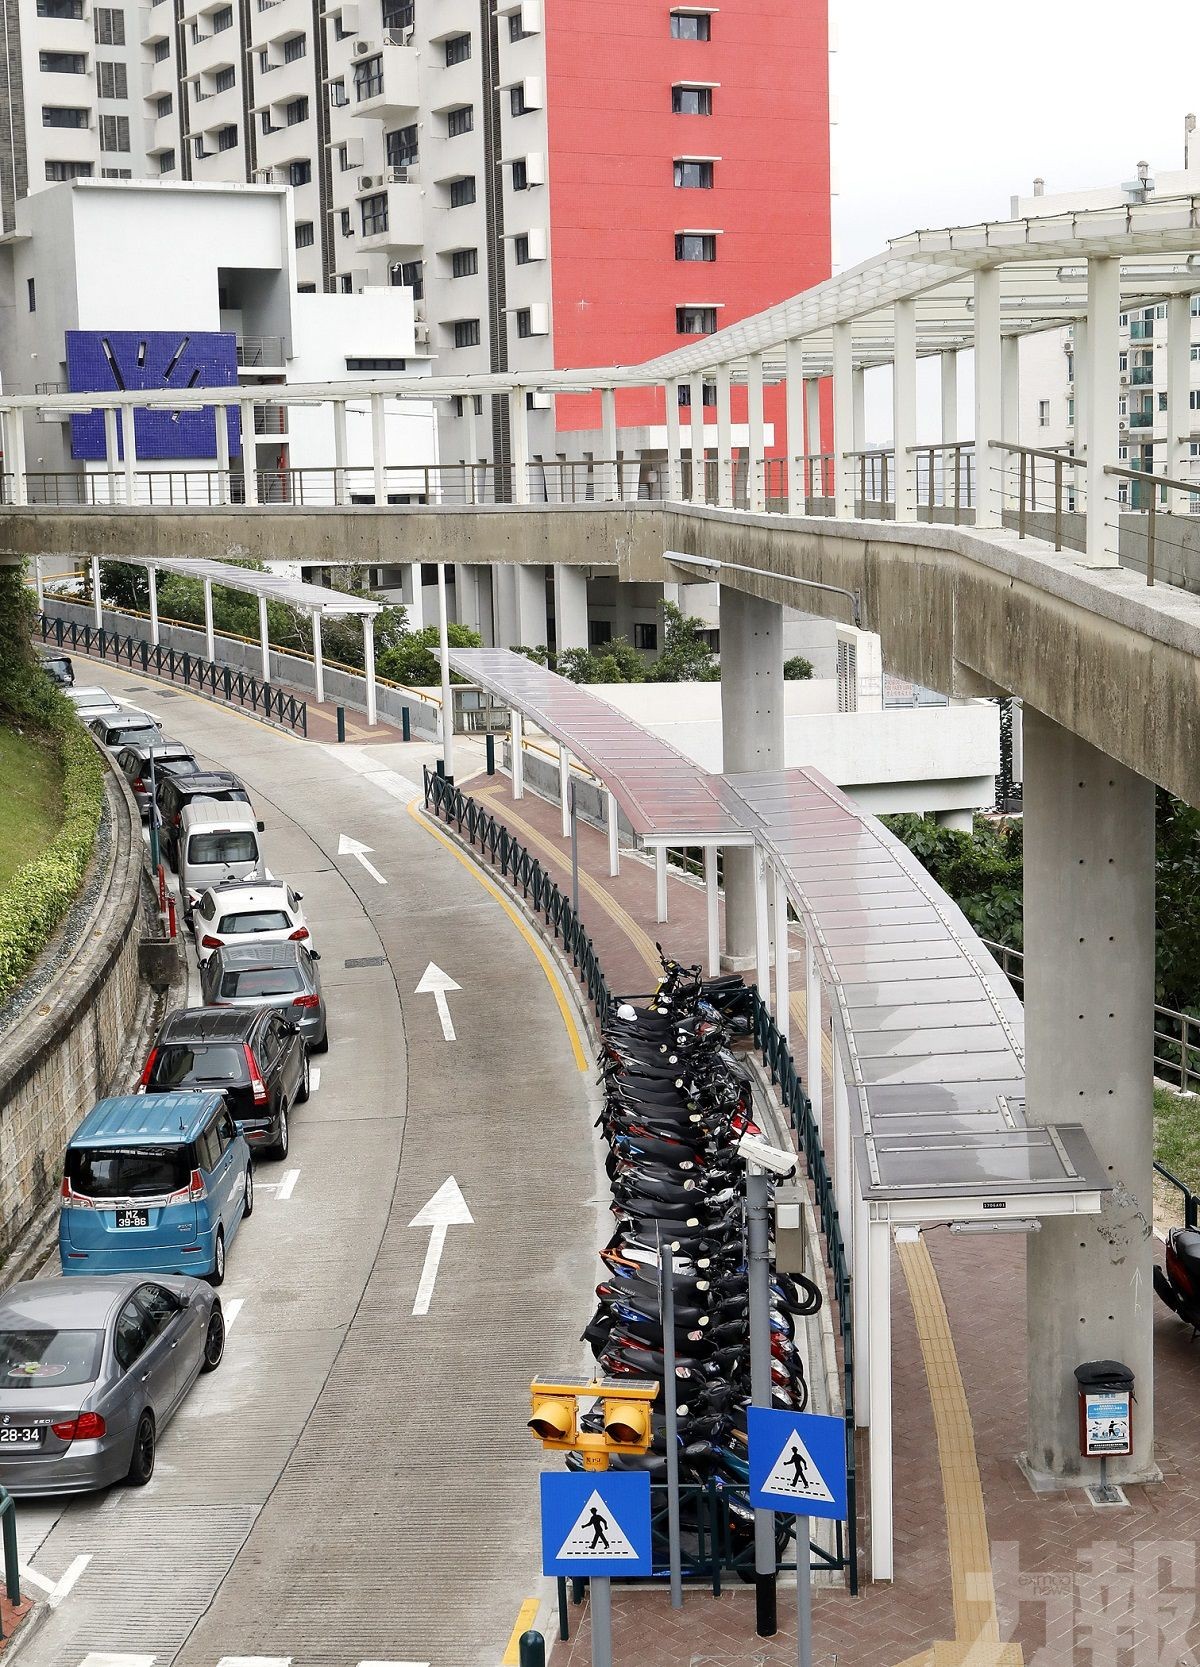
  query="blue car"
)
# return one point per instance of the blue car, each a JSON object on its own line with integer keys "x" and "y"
{"x": 154, "y": 1183}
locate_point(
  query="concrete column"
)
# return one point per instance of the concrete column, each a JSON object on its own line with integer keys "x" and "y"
{"x": 570, "y": 607}
{"x": 517, "y": 725}
{"x": 756, "y": 457}
{"x": 414, "y": 601}
{"x": 518, "y": 423}
{"x": 470, "y": 494}
{"x": 1103, "y": 391}
{"x": 264, "y": 639}
{"x": 318, "y": 657}
{"x": 794, "y": 370}
{"x": 660, "y": 883}
{"x": 673, "y": 486}
{"x": 38, "y": 583}
{"x": 948, "y": 366}
{"x": 699, "y": 487}
{"x": 859, "y": 383}
{"x": 1089, "y": 990}
{"x": 14, "y": 455}
{"x": 814, "y": 1030}
{"x": 112, "y": 451}
{"x": 97, "y": 604}
{"x": 610, "y": 483}
{"x": 1010, "y": 391}
{"x": 152, "y": 577}
{"x": 1081, "y": 360}
{"x": 249, "y": 451}
{"x": 843, "y": 422}
{"x": 989, "y": 493}
{"x": 882, "y": 1563}
{"x": 564, "y": 789}
{"x": 751, "y": 735}
{"x": 221, "y": 424}
{"x": 340, "y": 494}
{"x": 369, "y": 663}
{"x": 379, "y": 449}
{"x": 530, "y": 590}
{"x": 210, "y": 647}
{"x": 129, "y": 446}
{"x": 614, "y": 834}
{"x": 904, "y": 408}
{"x": 712, "y": 910}
{"x": 1179, "y": 417}
{"x": 724, "y": 438}
{"x": 783, "y": 984}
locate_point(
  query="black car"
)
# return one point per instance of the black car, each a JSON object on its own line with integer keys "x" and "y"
{"x": 57, "y": 666}
{"x": 254, "y": 1056}
{"x": 133, "y": 762}
{"x": 176, "y": 791}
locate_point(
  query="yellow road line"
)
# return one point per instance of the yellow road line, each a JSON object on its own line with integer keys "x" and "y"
{"x": 526, "y": 1616}
{"x": 544, "y": 961}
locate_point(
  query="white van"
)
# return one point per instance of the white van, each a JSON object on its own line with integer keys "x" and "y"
{"x": 217, "y": 842}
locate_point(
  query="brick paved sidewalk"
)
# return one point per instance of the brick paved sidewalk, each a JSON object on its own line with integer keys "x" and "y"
{"x": 1074, "y": 1586}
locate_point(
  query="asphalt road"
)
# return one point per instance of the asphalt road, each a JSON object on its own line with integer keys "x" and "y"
{"x": 356, "y": 1483}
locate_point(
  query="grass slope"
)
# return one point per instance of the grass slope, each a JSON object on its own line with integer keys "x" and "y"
{"x": 30, "y": 799}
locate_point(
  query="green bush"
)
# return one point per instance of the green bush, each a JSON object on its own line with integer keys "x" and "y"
{"x": 797, "y": 669}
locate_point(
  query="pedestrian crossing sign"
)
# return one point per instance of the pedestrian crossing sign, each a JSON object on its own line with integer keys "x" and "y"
{"x": 595, "y": 1522}
{"x": 797, "y": 1462}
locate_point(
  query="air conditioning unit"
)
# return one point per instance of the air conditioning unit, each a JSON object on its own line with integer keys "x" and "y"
{"x": 369, "y": 182}
{"x": 421, "y": 333}
{"x": 364, "y": 49}
{"x": 1124, "y": 379}
{"x": 1122, "y": 425}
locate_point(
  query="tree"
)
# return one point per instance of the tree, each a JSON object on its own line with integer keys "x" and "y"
{"x": 797, "y": 668}
{"x": 686, "y": 656}
{"x": 616, "y": 661}
{"x": 540, "y": 655}
{"x": 981, "y": 870}
{"x": 124, "y": 586}
{"x": 413, "y": 660}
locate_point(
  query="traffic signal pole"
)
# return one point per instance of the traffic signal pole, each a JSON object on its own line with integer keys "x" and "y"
{"x": 759, "y": 1257}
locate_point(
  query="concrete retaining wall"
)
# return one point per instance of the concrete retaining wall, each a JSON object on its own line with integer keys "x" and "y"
{"x": 62, "y": 1055}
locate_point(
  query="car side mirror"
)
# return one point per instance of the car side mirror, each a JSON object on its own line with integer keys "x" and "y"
{"x": 314, "y": 954}
{"x": 299, "y": 896}
{"x": 261, "y": 826}
{"x": 240, "y": 1127}
{"x": 185, "y": 1300}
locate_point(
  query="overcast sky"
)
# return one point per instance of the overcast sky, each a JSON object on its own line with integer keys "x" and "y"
{"x": 945, "y": 108}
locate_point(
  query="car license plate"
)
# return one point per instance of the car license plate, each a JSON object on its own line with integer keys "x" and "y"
{"x": 29, "y": 1435}
{"x": 133, "y": 1218}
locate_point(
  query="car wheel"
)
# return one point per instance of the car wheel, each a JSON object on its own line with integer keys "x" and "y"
{"x": 303, "y": 1090}
{"x": 217, "y": 1276}
{"x": 323, "y": 1045}
{"x": 280, "y": 1148}
{"x": 248, "y": 1206}
{"x": 214, "y": 1340}
{"x": 141, "y": 1465}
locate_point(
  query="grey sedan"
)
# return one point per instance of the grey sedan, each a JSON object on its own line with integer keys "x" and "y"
{"x": 279, "y": 975}
{"x": 91, "y": 1371}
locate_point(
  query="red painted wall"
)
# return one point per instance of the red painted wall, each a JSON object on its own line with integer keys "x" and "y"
{"x": 614, "y": 208}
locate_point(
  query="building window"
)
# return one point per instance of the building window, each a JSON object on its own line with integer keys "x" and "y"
{"x": 305, "y": 236}
{"x": 164, "y": 105}
{"x": 162, "y": 49}
{"x": 374, "y": 211}
{"x": 56, "y": 115}
{"x": 410, "y": 274}
{"x": 368, "y": 78}
{"x": 116, "y": 173}
{"x": 693, "y": 176}
{"x": 294, "y": 48}
{"x": 401, "y": 145}
{"x": 227, "y": 137}
{"x": 1122, "y": 361}
{"x": 295, "y": 111}
{"x": 521, "y": 249}
{"x": 337, "y": 95}
{"x": 524, "y": 322}
{"x": 60, "y": 8}
{"x": 166, "y": 162}
{"x": 346, "y": 284}
{"x": 198, "y": 150}
{"x": 695, "y": 321}
{"x": 345, "y": 222}
{"x": 461, "y": 120}
{"x": 62, "y": 63}
{"x": 691, "y": 26}
{"x": 1195, "y": 352}
{"x": 708, "y": 394}
{"x": 516, "y": 31}
{"x": 458, "y": 407}
{"x": 222, "y": 20}
{"x": 399, "y": 15}
{"x": 299, "y": 173}
{"x": 464, "y": 262}
{"x": 376, "y": 364}
{"x": 31, "y": 294}
{"x": 110, "y": 26}
{"x": 462, "y": 191}
{"x": 112, "y": 81}
{"x": 599, "y": 632}
{"x": 1162, "y": 402}
{"x": 1194, "y": 399}
{"x": 516, "y": 100}
{"x": 645, "y": 636}
{"x": 458, "y": 49}
{"x": 466, "y": 332}
{"x": 114, "y": 133}
{"x": 311, "y": 289}
{"x": 691, "y": 101}
{"x": 1070, "y": 413}
{"x": 267, "y": 125}
{"x": 1043, "y": 413}
{"x": 695, "y": 246}
{"x": 224, "y": 79}
{"x": 520, "y": 175}
{"x": 56, "y": 171}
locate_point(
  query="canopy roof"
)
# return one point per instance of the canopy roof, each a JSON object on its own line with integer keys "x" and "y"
{"x": 296, "y": 593}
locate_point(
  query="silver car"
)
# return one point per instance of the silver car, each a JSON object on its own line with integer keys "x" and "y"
{"x": 91, "y": 1371}
{"x": 279, "y": 975}
{"x": 134, "y": 763}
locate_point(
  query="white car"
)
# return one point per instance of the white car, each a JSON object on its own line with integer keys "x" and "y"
{"x": 248, "y": 911}
{"x": 91, "y": 702}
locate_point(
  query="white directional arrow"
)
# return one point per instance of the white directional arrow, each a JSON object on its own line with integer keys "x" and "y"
{"x": 447, "y": 1208}
{"x": 435, "y": 983}
{"x": 348, "y": 847}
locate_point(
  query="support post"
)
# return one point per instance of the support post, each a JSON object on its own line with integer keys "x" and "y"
{"x": 249, "y": 452}
{"x": 814, "y": 1030}
{"x": 129, "y": 445}
{"x": 600, "y": 1588}
{"x": 210, "y": 646}
{"x": 794, "y": 369}
{"x": 712, "y": 910}
{"x": 97, "y": 604}
{"x": 564, "y": 789}
{"x": 724, "y": 438}
{"x": 1080, "y": 362}
{"x": 989, "y": 464}
{"x": 1179, "y": 352}
{"x": 369, "y": 664}
{"x": 14, "y": 454}
{"x": 340, "y": 494}
{"x": 1010, "y": 389}
{"x": 472, "y": 422}
{"x": 379, "y": 449}
{"x": 39, "y": 583}
{"x": 674, "y": 481}
{"x": 221, "y": 423}
{"x": 904, "y": 408}
{"x": 570, "y": 607}
{"x": 762, "y": 927}
{"x": 1089, "y": 944}
{"x": 152, "y": 579}
{"x": 264, "y": 639}
{"x": 843, "y": 1161}
{"x": 759, "y": 1283}
{"x": 756, "y": 456}
{"x": 861, "y": 1256}
{"x": 1103, "y": 388}
{"x": 783, "y": 1017}
{"x": 517, "y": 726}
{"x": 948, "y": 366}
{"x": 751, "y": 736}
{"x": 614, "y": 835}
{"x": 444, "y": 666}
{"x": 318, "y": 657}
{"x": 881, "y": 1400}
{"x": 518, "y": 425}
{"x": 696, "y": 413}
{"x": 611, "y": 485}
{"x": 660, "y": 883}
{"x": 112, "y": 451}
{"x": 812, "y": 430}
{"x": 843, "y": 422}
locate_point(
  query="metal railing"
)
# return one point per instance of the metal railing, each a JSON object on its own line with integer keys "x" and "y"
{"x": 1061, "y": 492}
{"x": 1145, "y": 493}
{"x": 253, "y": 351}
{"x": 1191, "y": 1203}
{"x": 235, "y": 688}
{"x": 490, "y": 836}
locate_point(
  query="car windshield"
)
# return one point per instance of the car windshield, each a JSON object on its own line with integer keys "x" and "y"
{"x": 179, "y": 1064}
{"x": 255, "y": 920}
{"x": 128, "y": 1171}
{"x": 262, "y": 981}
{"x": 222, "y": 847}
{"x": 28, "y": 1359}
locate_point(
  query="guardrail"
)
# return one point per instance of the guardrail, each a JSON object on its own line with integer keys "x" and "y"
{"x": 484, "y": 830}
{"x": 1191, "y": 1203}
{"x": 236, "y": 688}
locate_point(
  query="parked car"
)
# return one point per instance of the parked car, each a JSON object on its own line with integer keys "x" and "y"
{"x": 267, "y": 911}
{"x": 156, "y": 1183}
{"x": 59, "y": 667}
{"x": 216, "y": 843}
{"x": 91, "y": 1372}
{"x": 92, "y": 700}
{"x": 133, "y": 761}
{"x": 116, "y": 729}
{"x": 280, "y": 976}
{"x": 257, "y": 1059}
{"x": 176, "y": 792}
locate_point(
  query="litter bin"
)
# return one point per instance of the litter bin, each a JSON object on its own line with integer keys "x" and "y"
{"x": 1105, "y": 1409}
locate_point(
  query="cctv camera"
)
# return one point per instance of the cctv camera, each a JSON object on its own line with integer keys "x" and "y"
{"x": 765, "y": 1156}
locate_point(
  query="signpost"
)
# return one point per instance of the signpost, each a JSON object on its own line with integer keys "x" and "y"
{"x": 798, "y": 1465}
{"x": 597, "y": 1524}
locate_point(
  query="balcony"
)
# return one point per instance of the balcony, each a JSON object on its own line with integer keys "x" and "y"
{"x": 1141, "y": 419}
{"x": 257, "y": 353}
{"x": 1142, "y": 375}
{"x": 400, "y": 227}
{"x": 384, "y": 85}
